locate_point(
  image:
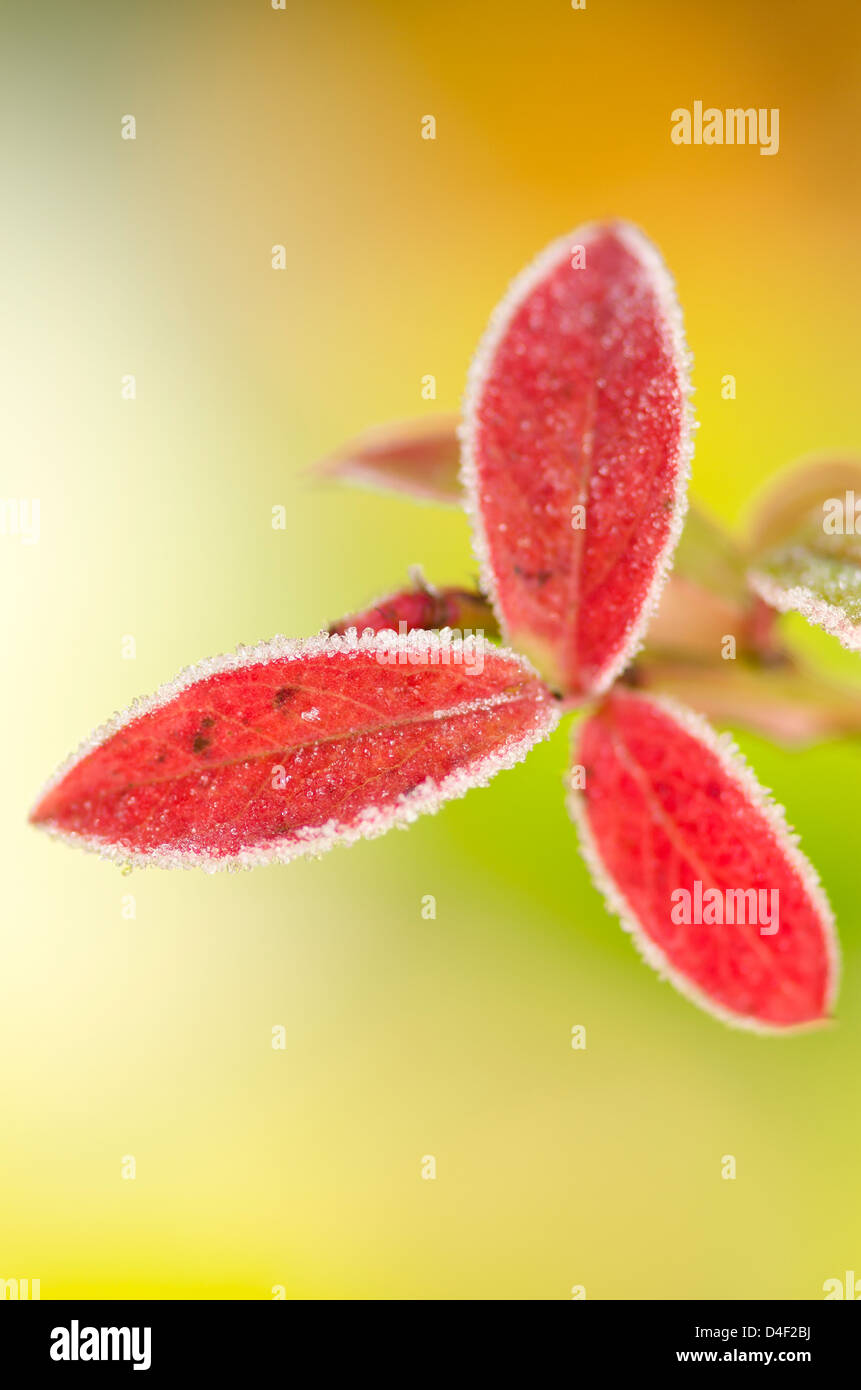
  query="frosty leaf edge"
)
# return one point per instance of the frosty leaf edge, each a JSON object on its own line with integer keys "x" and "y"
{"x": 739, "y": 771}
{"x": 426, "y": 798}
{"x": 661, "y": 282}
{"x": 814, "y": 608}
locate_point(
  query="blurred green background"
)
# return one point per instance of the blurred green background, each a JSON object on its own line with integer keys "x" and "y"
{"x": 404, "y": 1037}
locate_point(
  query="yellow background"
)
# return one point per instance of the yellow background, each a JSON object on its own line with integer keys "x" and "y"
{"x": 405, "y": 1037}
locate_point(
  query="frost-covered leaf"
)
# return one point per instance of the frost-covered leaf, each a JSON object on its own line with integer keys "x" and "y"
{"x": 465, "y": 611}
{"x": 817, "y": 574}
{"x": 419, "y": 458}
{"x": 576, "y": 452}
{"x": 797, "y": 490}
{"x": 700, "y": 866}
{"x": 289, "y": 748}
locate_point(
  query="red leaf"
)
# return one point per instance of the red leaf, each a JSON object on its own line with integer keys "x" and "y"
{"x": 577, "y": 399}
{"x": 667, "y": 805}
{"x": 419, "y": 458}
{"x": 289, "y": 748}
{"x": 463, "y": 610}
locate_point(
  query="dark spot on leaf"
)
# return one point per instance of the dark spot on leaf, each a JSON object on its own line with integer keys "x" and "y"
{"x": 208, "y": 722}
{"x": 284, "y": 695}
{"x": 533, "y": 576}
{"x": 201, "y": 743}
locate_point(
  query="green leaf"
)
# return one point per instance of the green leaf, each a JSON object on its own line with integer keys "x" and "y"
{"x": 817, "y": 574}
{"x": 709, "y": 557}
